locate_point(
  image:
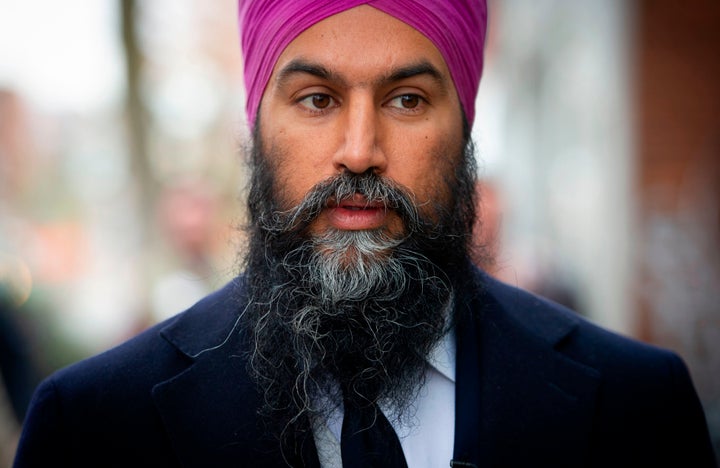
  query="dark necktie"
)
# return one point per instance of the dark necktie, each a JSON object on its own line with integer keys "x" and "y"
{"x": 368, "y": 440}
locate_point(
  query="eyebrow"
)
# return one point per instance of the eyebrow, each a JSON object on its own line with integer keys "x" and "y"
{"x": 301, "y": 66}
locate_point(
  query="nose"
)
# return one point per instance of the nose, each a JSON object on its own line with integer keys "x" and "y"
{"x": 359, "y": 149}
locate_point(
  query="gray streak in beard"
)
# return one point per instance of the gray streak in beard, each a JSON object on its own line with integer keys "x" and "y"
{"x": 352, "y": 264}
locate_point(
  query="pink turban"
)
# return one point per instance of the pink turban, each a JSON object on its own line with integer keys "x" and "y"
{"x": 456, "y": 27}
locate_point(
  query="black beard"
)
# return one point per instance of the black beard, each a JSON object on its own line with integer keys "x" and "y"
{"x": 358, "y": 310}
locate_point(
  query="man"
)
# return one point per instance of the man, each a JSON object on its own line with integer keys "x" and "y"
{"x": 360, "y": 334}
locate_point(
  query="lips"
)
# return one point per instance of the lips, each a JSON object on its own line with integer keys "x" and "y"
{"x": 356, "y": 213}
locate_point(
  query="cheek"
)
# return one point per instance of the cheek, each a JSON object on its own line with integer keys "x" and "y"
{"x": 297, "y": 167}
{"x": 294, "y": 181}
{"x": 428, "y": 171}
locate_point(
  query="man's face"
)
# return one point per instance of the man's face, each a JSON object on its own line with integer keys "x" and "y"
{"x": 361, "y": 92}
{"x": 361, "y": 208}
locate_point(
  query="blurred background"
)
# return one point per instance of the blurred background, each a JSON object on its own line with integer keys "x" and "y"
{"x": 122, "y": 136}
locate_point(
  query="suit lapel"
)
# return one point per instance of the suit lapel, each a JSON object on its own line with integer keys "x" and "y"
{"x": 518, "y": 398}
{"x": 209, "y": 409}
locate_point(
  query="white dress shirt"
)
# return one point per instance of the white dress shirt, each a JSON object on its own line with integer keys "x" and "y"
{"x": 428, "y": 438}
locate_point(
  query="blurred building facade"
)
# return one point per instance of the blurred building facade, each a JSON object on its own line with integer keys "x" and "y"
{"x": 600, "y": 132}
{"x": 677, "y": 187}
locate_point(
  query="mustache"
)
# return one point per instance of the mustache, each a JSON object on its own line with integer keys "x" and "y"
{"x": 334, "y": 190}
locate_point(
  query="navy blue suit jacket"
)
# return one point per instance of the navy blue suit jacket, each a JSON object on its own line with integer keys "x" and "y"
{"x": 537, "y": 386}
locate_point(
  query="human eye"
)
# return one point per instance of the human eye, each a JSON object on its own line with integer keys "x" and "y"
{"x": 407, "y": 102}
{"x": 317, "y": 102}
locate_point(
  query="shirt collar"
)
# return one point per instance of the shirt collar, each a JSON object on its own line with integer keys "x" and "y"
{"x": 442, "y": 356}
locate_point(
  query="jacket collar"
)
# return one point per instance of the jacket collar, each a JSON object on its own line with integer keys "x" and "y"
{"x": 517, "y": 394}
{"x": 209, "y": 409}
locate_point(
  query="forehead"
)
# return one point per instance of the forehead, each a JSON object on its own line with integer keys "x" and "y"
{"x": 364, "y": 42}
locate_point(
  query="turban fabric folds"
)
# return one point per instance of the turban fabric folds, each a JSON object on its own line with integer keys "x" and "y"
{"x": 456, "y": 27}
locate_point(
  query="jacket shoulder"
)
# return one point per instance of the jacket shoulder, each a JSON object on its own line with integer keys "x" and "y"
{"x": 571, "y": 333}
{"x": 105, "y": 402}
{"x": 645, "y": 400}
{"x": 161, "y": 350}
